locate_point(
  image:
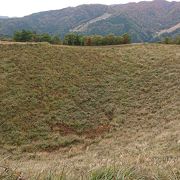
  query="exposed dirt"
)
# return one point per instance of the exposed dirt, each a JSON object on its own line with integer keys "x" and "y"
{"x": 65, "y": 130}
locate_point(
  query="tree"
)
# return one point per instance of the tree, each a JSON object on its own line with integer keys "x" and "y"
{"x": 87, "y": 41}
{"x": 32, "y": 36}
{"x": 109, "y": 39}
{"x": 45, "y": 38}
{"x": 97, "y": 40}
{"x": 56, "y": 40}
{"x": 23, "y": 36}
{"x": 82, "y": 39}
{"x": 119, "y": 40}
{"x": 177, "y": 40}
{"x": 167, "y": 40}
{"x": 126, "y": 38}
{"x": 73, "y": 39}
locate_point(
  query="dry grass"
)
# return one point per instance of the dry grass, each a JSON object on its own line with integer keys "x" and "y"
{"x": 54, "y": 99}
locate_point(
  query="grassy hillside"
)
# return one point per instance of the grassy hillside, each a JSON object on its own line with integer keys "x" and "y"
{"x": 48, "y": 92}
{"x": 56, "y": 97}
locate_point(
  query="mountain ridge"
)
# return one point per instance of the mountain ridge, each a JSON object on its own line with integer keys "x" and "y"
{"x": 143, "y": 20}
{"x": 4, "y": 17}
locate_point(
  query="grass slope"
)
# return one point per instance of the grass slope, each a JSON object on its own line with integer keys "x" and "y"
{"x": 48, "y": 92}
{"x": 52, "y": 95}
{"x": 57, "y": 96}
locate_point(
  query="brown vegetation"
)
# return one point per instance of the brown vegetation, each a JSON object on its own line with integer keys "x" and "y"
{"x": 90, "y": 112}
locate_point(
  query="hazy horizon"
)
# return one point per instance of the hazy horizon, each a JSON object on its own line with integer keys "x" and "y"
{"x": 20, "y": 8}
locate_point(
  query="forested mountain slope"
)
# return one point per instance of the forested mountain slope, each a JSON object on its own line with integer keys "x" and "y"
{"x": 143, "y": 20}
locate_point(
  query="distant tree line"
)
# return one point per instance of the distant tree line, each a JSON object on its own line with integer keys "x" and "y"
{"x": 170, "y": 40}
{"x": 72, "y": 39}
{"x": 30, "y": 36}
{"x": 96, "y": 40}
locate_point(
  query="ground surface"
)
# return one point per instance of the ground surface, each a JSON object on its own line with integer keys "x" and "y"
{"x": 77, "y": 109}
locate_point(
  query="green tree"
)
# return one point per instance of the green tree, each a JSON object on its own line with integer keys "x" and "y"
{"x": 45, "y": 38}
{"x": 167, "y": 40}
{"x": 97, "y": 40}
{"x": 109, "y": 39}
{"x": 23, "y": 36}
{"x": 56, "y": 40}
{"x": 32, "y": 36}
{"x": 72, "y": 39}
{"x": 177, "y": 40}
{"x": 118, "y": 40}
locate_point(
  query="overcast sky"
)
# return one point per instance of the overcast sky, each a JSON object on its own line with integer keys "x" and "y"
{"x": 21, "y": 8}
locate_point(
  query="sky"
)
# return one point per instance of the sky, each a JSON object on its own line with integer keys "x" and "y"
{"x": 19, "y": 8}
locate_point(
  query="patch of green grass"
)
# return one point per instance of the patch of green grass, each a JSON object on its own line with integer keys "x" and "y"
{"x": 114, "y": 174}
{"x": 52, "y": 144}
{"x": 105, "y": 173}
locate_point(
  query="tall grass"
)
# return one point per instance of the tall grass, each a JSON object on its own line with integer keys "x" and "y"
{"x": 104, "y": 173}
